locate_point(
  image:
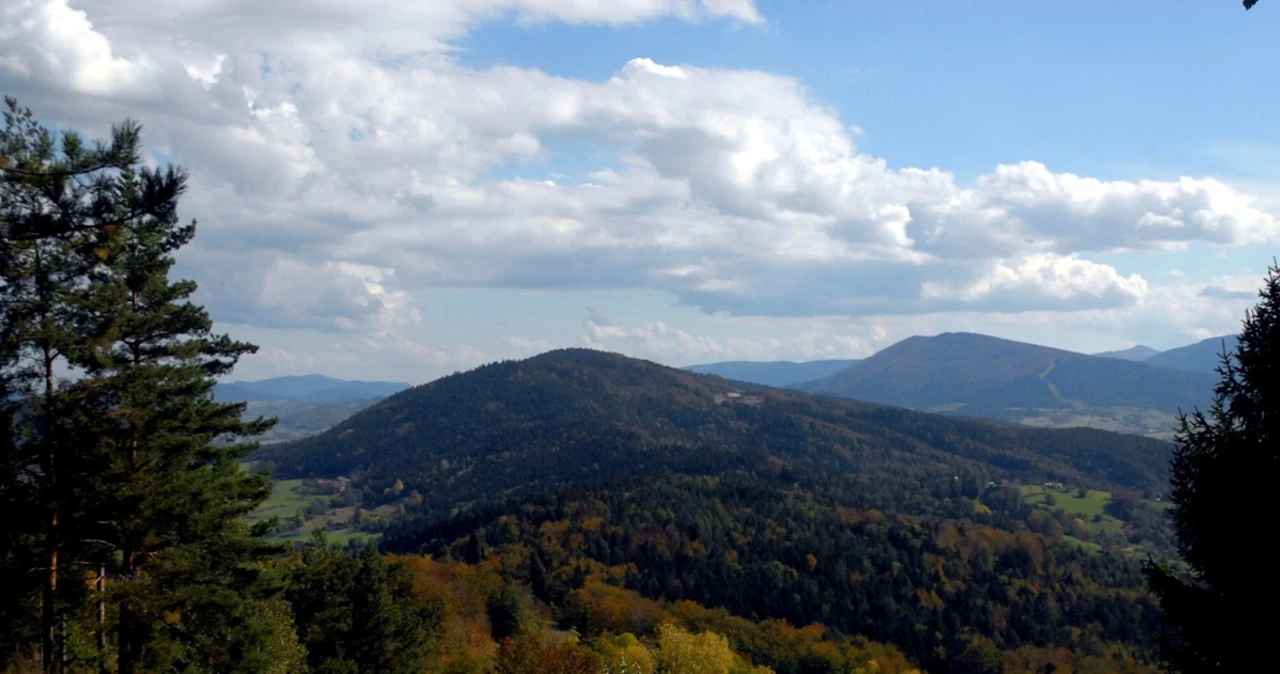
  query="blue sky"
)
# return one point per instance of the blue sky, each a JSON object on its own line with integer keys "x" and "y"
{"x": 413, "y": 189}
{"x": 1116, "y": 90}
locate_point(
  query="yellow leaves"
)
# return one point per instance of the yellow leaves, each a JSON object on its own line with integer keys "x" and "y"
{"x": 553, "y": 532}
{"x": 624, "y": 654}
{"x": 948, "y": 535}
{"x": 682, "y": 652}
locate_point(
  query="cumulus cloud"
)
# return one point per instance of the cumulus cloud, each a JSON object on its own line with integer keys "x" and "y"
{"x": 283, "y": 292}
{"x": 348, "y": 148}
{"x": 1037, "y": 279}
{"x": 50, "y": 41}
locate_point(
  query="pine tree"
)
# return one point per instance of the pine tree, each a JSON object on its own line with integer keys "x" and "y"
{"x": 171, "y": 454}
{"x": 55, "y": 206}
{"x": 1220, "y": 613}
{"x": 127, "y": 469}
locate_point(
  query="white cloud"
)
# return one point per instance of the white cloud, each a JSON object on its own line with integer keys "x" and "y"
{"x": 1041, "y": 278}
{"x": 346, "y": 146}
{"x": 50, "y": 41}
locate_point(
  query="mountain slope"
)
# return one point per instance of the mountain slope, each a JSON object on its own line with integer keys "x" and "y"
{"x": 1200, "y": 357}
{"x": 776, "y": 373}
{"x": 574, "y": 416}
{"x": 977, "y": 375}
{"x": 1139, "y": 353}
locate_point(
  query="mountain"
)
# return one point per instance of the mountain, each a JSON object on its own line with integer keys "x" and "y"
{"x": 584, "y": 474}
{"x": 304, "y": 405}
{"x": 775, "y": 373}
{"x": 578, "y": 415}
{"x": 1199, "y": 357}
{"x": 1139, "y": 353}
{"x": 977, "y": 375}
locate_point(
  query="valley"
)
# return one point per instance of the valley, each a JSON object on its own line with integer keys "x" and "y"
{"x": 304, "y": 507}
{"x": 303, "y": 405}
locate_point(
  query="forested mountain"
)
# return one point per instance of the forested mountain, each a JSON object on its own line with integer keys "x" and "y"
{"x": 977, "y": 375}
{"x": 580, "y": 472}
{"x": 576, "y": 415}
{"x": 1139, "y": 353}
{"x": 776, "y": 373}
{"x": 304, "y": 405}
{"x": 1202, "y": 357}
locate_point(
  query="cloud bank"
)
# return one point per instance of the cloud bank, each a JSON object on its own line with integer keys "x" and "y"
{"x": 350, "y": 149}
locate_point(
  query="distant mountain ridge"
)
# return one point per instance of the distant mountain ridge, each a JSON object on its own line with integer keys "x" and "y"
{"x": 304, "y": 404}
{"x": 1140, "y": 352}
{"x": 310, "y": 387}
{"x": 978, "y": 375}
{"x": 1200, "y": 357}
{"x": 779, "y": 373}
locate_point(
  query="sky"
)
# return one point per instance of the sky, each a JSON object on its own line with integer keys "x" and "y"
{"x": 399, "y": 189}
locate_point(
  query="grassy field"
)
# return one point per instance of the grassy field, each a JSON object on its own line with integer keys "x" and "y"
{"x": 288, "y": 498}
{"x": 1151, "y": 423}
{"x": 1084, "y": 544}
{"x": 285, "y": 501}
{"x": 1086, "y": 507}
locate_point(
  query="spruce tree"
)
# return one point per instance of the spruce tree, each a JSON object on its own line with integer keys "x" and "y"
{"x": 1221, "y": 612}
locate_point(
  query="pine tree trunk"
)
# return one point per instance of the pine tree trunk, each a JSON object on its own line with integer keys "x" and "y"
{"x": 125, "y": 647}
{"x": 128, "y": 650}
{"x": 102, "y": 618}
{"x": 48, "y": 613}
